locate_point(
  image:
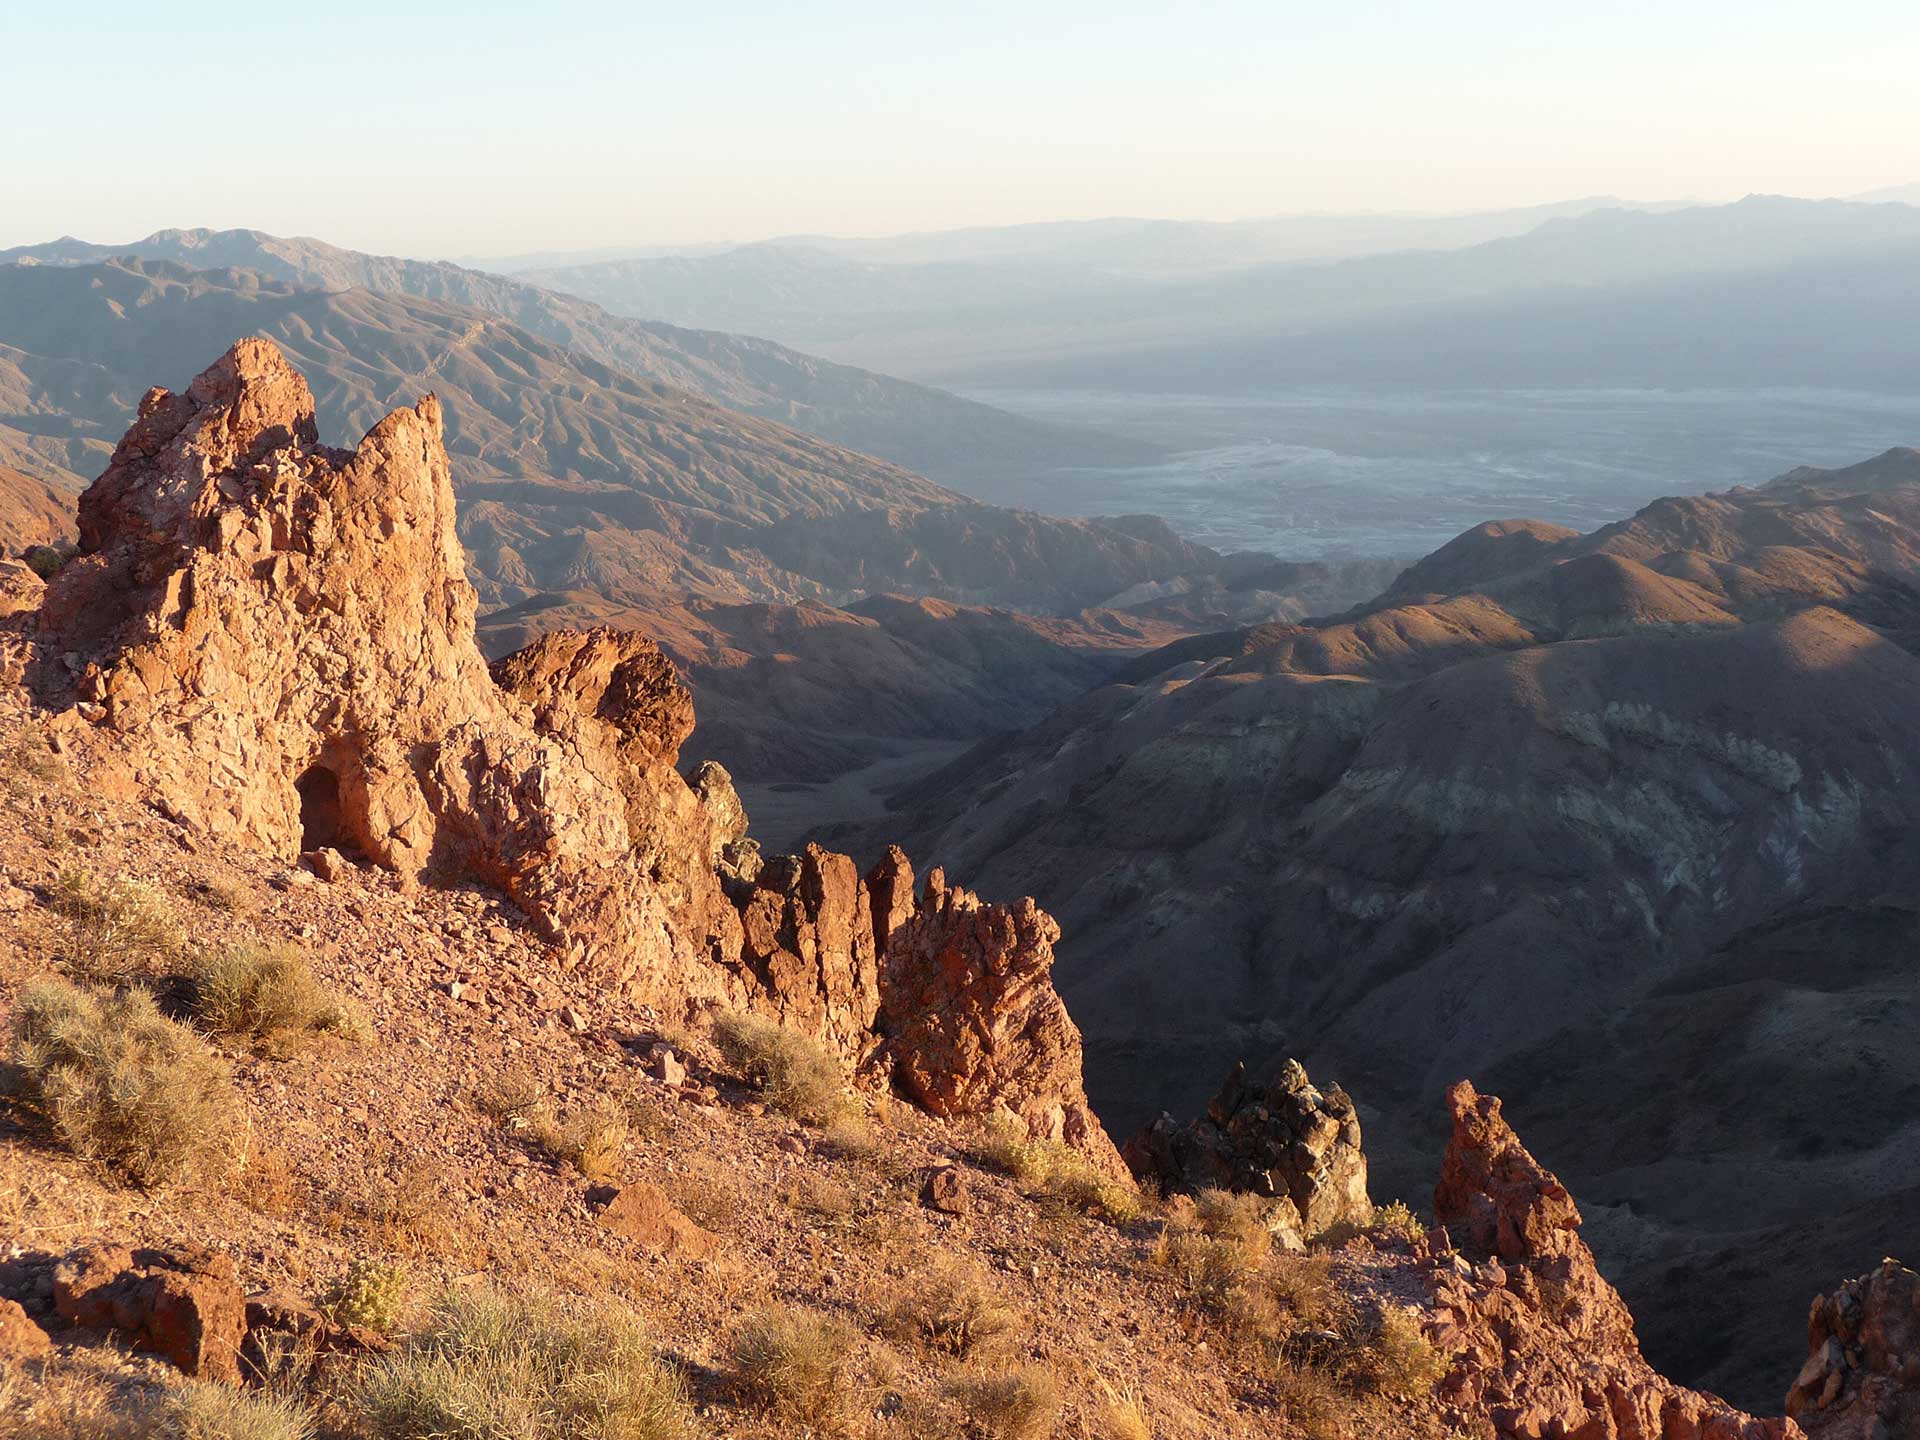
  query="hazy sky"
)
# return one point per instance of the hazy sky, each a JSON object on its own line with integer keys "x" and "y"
{"x": 480, "y": 128}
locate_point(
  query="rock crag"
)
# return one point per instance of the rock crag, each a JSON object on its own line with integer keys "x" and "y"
{"x": 1279, "y": 1137}
{"x": 1538, "y": 1341}
{"x": 273, "y": 640}
{"x": 1862, "y": 1376}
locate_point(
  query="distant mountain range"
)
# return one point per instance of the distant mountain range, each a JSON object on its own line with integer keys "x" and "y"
{"x": 572, "y": 472}
{"x": 938, "y": 434}
{"x": 1772, "y": 288}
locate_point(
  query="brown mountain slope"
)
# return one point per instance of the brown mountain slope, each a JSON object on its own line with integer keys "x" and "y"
{"x": 32, "y": 512}
{"x": 924, "y": 429}
{"x": 572, "y": 473}
{"x": 1440, "y": 837}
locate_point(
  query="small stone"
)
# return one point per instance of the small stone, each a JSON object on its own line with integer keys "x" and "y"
{"x": 943, "y": 1189}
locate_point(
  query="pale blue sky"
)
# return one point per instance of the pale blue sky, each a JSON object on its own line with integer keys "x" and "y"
{"x": 486, "y": 128}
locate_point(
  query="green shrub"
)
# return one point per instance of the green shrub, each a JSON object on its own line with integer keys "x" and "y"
{"x": 1393, "y": 1357}
{"x": 116, "y": 930}
{"x": 493, "y": 1366}
{"x": 47, "y": 561}
{"x": 796, "y": 1073}
{"x": 794, "y": 1362}
{"x": 1019, "y": 1405}
{"x": 372, "y": 1293}
{"x": 267, "y": 993}
{"x": 120, "y": 1083}
{"x": 1397, "y": 1219}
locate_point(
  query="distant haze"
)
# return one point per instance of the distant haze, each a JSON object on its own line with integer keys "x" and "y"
{"x": 489, "y": 129}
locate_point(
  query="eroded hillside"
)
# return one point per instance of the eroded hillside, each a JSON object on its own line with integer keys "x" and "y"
{"x": 1550, "y": 810}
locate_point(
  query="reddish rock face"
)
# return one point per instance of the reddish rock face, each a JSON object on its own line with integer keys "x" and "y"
{"x": 183, "y": 1304}
{"x": 1539, "y": 1343}
{"x": 20, "y": 1338}
{"x": 1862, "y": 1376}
{"x": 275, "y": 640}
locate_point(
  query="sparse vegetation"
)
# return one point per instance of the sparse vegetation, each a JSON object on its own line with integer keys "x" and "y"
{"x": 1397, "y": 1219}
{"x": 491, "y": 1366}
{"x": 268, "y": 993}
{"x": 593, "y": 1142}
{"x": 1121, "y": 1416}
{"x": 794, "y": 1362}
{"x": 1017, "y": 1405}
{"x": 796, "y": 1074}
{"x": 120, "y": 1083}
{"x": 372, "y": 1293}
{"x": 1393, "y": 1358}
{"x": 117, "y": 930}
{"x": 950, "y": 1308}
{"x": 47, "y": 561}
{"x": 510, "y": 1097}
{"x": 1056, "y": 1171}
{"x": 201, "y": 1410}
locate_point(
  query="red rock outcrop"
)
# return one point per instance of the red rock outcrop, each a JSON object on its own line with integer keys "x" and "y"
{"x": 274, "y": 640}
{"x": 1862, "y": 1376}
{"x": 1538, "y": 1342}
{"x": 184, "y": 1304}
{"x": 1279, "y": 1137}
{"x": 970, "y": 1019}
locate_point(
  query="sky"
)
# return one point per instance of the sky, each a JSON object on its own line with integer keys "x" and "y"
{"x": 482, "y": 129}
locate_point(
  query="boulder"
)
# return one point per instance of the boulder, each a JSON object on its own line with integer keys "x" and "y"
{"x": 642, "y": 1213}
{"x": 1278, "y": 1137}
{"x": 184, "y": 1304}
{"x": 1861, "y": 1380}
{"x": 20, "y": 1338}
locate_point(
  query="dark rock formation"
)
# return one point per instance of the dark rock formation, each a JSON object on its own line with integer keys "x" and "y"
{"x": 1862, "y": 1376}
{"x": 1279, "y": 1137}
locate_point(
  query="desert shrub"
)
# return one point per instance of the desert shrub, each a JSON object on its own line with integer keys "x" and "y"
{"x": 200, "y": 1410}
{"x": 1217, "y": 1250}
{"x": 47, "y": 561}
{"x": 116, "y": 929}
{"x": 950, "y": 1308}
{"x": 493, "y": 1366}
{"x": 81, "y": 1395}
{"x": 1310, "y": 1397}
{"x": 593, "y": 1142}
{"x": 794, "y": 1362}
{"x": 372, "y": 1293}
{"x": 820, "y": 1196}
{"x": 1018, "y": 1405}
{"x": 1055, "y": 1171}
{"x": 268, "y": 994}
{"x": 395, "y": 1203}
{"x": 510, "y": 1097}
{"x": 796, "y": 1074}
{"x": 120, "y": 1083}
{"x": 1397, "y": 1218}
{"x": 1304, "y": 1287}
{"x": 1121, "y": 1416}
{"x": 1392, "y": 1357}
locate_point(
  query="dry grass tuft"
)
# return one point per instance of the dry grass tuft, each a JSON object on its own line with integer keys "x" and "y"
{"x": 795, "y": 1073}
{"x": 1121, "y": 1416}
{"x": 950, "y": 1308}
{"x": 1055, "y": 1171}
{"x": 76, "y": 1398}
{"x": 117, "y": 930}
{"x": 1392, "y": 1357}
{"x": 492, "y": 1365}
{"x": 120, "y": 1083}
{"x": 794, "y": 1362}
{"x": 1017, "y": 1405}
{"x": 268, "y": 994}
{"x": 200, "y": 1410}
{"x": 594, "y": 1143}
